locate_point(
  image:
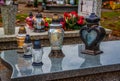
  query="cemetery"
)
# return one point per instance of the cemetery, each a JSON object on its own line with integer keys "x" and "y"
{"x": 59, "y": 40}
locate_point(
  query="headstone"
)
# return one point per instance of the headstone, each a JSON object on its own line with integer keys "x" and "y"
{"x": 86, "y": 7}
{"x": 8, "y": 18}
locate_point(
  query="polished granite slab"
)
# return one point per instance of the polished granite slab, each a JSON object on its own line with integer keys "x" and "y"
{"x": 73, "y": 64}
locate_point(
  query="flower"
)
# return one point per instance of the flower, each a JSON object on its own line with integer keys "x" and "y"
{"x": 80, "y": 20}
{"x": 63, "y": 24}
{"x": 74, "y": 13}
{"x": 72, "y": 19}
{"x": 46, "y": 24}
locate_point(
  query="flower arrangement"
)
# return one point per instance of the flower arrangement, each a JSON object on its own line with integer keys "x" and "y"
{"x": 73, "y": 21}
{"x": 70, "y": 21}
{"x": 47, "y": 21}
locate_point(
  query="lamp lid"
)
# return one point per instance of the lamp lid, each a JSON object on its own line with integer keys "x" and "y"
{"x": 30, "y": 14}
{"x": 92, "y": 18}
{"x": 39, "y": 15}
{"x": 55, "y": 25}
{"x": 22, "y": 30}
{"x": 27, "y": 39}
{"x": 37, "y": 44}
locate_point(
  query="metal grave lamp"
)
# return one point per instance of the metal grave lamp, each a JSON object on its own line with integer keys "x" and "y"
{"x": 56, "y": 35}
{"x": 92, "y": 35}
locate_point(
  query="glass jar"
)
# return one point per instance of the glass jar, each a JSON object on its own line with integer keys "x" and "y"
{"x": 27, "y": 47}
{"x": 37, "y": 53}
{"x": 56, "y": 34}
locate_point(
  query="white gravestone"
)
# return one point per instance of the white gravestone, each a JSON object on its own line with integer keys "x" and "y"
{"x": 86, "y": 7}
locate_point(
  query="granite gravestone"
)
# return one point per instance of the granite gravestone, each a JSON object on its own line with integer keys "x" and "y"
{"x": 8, "y": 11}
{"x": 86, "y": 7}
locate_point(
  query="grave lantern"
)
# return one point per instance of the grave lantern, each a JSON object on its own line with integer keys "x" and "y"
{"x": 20, "y": 38}
{"x": 92, "y": 34}
{"x": 30, "y": 21}
{"x": 27, "y": 47}
{"x": 61, "y": 2}
{"x": 56, "y": 34}
{"x": 37, "y": 53}
{"x": 72, "y": 2}
{"x": 39, "y": 23}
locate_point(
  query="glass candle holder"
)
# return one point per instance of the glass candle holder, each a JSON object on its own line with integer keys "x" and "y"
{"x": 37, "y": 53}
{"x": 20, "y": 38}
{"x": 39, "y": 23}
{"x": 56, "y": 35}
{"x": 27, "y": 47}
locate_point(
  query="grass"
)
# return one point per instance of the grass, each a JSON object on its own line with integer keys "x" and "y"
{"x": 111, "y": 20}
{"x": 21, "y": 17}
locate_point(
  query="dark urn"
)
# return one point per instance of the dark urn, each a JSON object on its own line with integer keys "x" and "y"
{"x": 92, "y": 34}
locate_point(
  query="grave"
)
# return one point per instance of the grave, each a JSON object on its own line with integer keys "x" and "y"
{"x": 61, "y": 6}
{"x": 86, "y": 7}
{"x": 73, "y": 67}
{"x": 8, "y": 12}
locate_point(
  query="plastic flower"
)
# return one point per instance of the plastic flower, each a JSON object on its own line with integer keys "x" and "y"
{"x": 46, "y": 24}
{"x": 80, "y": 20}
{"x": 72, "y": 19}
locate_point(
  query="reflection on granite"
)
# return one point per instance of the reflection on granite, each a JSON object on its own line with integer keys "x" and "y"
{"x": 91, "y": 61}
{"x": 72, "y": 65}
{"x": 56, "y": 64}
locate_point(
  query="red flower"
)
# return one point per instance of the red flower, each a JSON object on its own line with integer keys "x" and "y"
{"x": 81, "y": 17}
{"x": 72, "y": 19}
{"x": 81, "y": 20}
{"x": 66, "y": 15}
{"x": 63, "y": 25}
{"x": 74, "y": 13}
{"x": 46, "y": 24}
